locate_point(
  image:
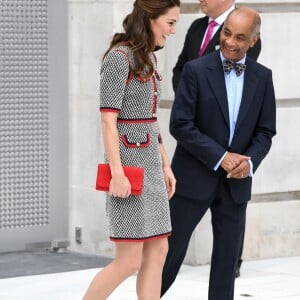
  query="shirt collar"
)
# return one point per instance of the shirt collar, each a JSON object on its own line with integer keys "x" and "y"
{"x": 241, "y": 61}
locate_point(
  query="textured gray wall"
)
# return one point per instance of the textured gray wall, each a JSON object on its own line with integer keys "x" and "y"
{"x": 33, "y": 127}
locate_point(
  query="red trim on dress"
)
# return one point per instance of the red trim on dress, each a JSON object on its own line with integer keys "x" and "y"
{"x": 137, "y": 144}
{"x": 142, "y": 79}
{"x": 156, "y": 237}
{"x": 155, "y": 95}
{"x": 130, "y": 76}
{"x": 154, "y": 56}
{"x": 158, "y": 76}
{"x": 109, "y": 109}
{"x": 136, "y": 121}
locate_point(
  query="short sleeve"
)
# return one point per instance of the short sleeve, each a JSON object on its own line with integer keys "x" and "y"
{"x": 113, "y": 77}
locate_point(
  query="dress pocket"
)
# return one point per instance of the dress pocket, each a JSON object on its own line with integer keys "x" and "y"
{"x": 136, "y": 142}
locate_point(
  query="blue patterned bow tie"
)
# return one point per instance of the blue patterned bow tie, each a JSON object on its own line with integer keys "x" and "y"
{"x": 229, "y": 65}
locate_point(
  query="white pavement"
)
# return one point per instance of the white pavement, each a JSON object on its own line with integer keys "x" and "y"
{"x": 272, "y": 279}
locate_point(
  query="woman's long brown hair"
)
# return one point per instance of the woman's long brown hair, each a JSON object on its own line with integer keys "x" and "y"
{"x": 138, "y": 34}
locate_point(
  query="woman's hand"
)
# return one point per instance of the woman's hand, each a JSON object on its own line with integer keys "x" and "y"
{"x": 119, "y": 186}
{"x": 170, "y": 181}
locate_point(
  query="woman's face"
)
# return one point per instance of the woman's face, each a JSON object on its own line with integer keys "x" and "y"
{"x": 165, "y": 25}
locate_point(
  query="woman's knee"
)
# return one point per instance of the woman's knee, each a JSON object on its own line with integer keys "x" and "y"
{"x": 164, "y": 248}
{"x": 133, "y": 264}
{"x": 157, "y": 251}
{"x": 130, "y": 261}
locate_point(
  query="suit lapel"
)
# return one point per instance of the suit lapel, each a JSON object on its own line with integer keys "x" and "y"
{"x": 215, "y": 76}
{"x": 198, "y": 36}
{"x": 250, "y": 85}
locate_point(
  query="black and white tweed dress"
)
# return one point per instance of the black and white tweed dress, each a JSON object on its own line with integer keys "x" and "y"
{"x": 147, "y": 216}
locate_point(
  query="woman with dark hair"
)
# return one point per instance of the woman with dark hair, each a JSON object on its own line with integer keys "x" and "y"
{"x": 130, "y": 89}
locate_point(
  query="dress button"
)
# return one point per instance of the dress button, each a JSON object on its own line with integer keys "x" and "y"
{"x": 138, "y": 144}
{"x": 154, "y": 115}
{"x": 155, "y": 93}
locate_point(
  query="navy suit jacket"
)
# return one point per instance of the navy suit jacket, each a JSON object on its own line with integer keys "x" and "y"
{"x": 200, "y": 124}
{"x": 192, "y": 44}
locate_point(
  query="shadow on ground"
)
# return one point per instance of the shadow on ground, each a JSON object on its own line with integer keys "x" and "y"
{"x": 14, "y": 264}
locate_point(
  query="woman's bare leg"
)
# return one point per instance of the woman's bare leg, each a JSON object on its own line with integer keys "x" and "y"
{"x": 149, "y": 276}
{"x": 127, "y": 262}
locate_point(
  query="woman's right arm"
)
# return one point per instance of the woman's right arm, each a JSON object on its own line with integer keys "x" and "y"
{"x": 119, "y": 185}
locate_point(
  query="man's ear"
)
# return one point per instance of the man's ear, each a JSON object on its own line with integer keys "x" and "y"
{"x": 254, "y": 40}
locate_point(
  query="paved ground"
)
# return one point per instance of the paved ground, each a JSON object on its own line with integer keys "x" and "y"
{"x": 272, "y": 279}
{"x": 15, "y": 264}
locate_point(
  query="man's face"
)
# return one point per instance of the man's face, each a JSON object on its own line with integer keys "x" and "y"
{"x": 213, "y": 8}
{"x": 236, "y": 37}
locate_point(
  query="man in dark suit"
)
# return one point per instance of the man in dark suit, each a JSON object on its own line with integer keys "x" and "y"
{"x": 223, "y": 120}
{"x": 216, "y": 10}
{"x": 195, "y": 46}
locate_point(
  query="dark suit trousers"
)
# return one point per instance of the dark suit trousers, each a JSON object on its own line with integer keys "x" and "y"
{"x": 228, "y": 221}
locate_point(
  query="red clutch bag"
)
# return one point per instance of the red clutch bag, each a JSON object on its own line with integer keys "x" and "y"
{"x": 135, "y": 176}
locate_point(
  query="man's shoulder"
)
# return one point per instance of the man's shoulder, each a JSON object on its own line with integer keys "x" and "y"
{"x": 255, "y": 64}
{"x": 208, "y": 60}
{"x": 198, "y": 23}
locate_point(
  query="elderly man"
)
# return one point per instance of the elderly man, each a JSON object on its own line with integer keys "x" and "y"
{"x": 203, "y": 35}
{"x": 202, "y": 38}
{"x": 223, "y": 119}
